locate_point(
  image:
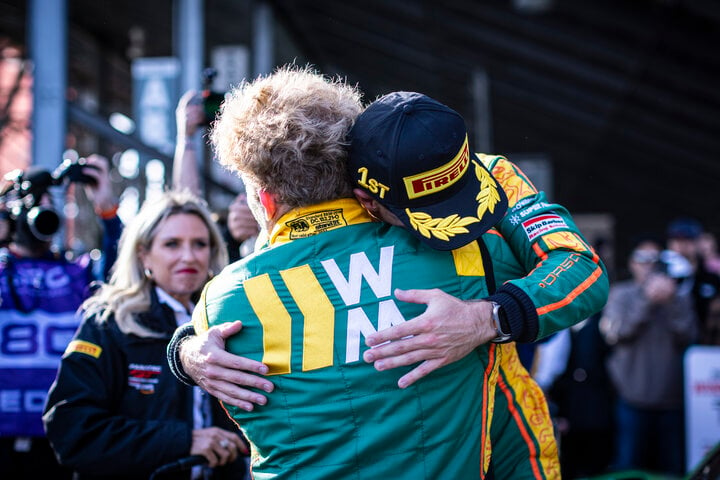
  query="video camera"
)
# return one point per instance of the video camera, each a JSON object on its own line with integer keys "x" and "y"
{"x": 211, "y": 100}
{"x": 31, "y": 221}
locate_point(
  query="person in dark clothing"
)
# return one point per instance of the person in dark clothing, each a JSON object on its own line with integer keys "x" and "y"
{"x": 115, "y": 410}
{"x": 584, "y": 397}
{"x": 649, "y": 321}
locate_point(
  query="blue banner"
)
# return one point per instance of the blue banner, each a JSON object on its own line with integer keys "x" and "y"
{"x": 38, "y": 304}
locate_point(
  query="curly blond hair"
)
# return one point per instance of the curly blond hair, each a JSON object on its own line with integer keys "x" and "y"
{"x": 286, "y": 133}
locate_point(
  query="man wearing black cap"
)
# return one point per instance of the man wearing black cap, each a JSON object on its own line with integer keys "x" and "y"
{"x": 403, "y": 141}
{"x": 546, "y": 276}
{"x": 410, "y": 159}
{"x": 683, "y": 237}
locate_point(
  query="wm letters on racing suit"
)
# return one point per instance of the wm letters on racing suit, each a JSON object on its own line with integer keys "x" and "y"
{"x": 306, "y": 304}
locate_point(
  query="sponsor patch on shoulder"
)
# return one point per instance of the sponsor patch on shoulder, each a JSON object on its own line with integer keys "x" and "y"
{"x": 81, "y": 346}
{"x": 542, "y": 224}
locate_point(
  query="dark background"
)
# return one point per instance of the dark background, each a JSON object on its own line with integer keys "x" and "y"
{"x": 621, "y": 96}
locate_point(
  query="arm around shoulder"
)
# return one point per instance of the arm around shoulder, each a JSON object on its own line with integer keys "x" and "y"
{"x": 566, "y": 281}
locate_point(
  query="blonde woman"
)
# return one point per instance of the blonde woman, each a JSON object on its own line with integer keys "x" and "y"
{"x": 115, "y": 409}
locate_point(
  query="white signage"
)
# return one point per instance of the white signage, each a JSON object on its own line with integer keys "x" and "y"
{"x": 702, "y": 402}
{"x": 231, "y": 64}
{"x": 155, "y": 89}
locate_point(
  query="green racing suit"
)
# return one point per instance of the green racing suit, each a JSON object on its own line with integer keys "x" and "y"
{"x": 547, "y": 278}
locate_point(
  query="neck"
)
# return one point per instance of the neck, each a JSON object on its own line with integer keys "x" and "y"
{"x": 310, "y": 220}
{"x": 280, "y": 210}
{"x": 184, "y": 301}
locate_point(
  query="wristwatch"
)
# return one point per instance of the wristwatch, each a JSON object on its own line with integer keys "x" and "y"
{"x": 498, "y": 315}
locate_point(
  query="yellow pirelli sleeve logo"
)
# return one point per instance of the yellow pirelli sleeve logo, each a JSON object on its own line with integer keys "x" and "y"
{"x": 439, "y": 178}
{"x": 81, "y": 346}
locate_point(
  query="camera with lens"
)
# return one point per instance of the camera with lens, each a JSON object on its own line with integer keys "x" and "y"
{"x": 31, "y": 221}
{"x": 211, "y": 100}
{"x": 673, "y": 264}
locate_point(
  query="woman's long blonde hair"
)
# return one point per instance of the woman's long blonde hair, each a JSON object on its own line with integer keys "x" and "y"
{"x": 128, "y": 291}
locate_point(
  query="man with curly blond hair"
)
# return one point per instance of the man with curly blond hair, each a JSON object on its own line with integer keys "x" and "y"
{"x": 408, "y": 134}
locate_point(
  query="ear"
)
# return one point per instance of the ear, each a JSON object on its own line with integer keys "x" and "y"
{"x": 376, "y": 209}
{"x": 267, "y": 200}
{"x": 142, "y": 255}
{"x": 366, "y": 200}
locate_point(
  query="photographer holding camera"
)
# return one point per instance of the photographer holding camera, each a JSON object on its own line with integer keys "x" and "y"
{"x": 40, "y": 292}
{"x": 648, "y": 322}
{"x": 196, "y": 110}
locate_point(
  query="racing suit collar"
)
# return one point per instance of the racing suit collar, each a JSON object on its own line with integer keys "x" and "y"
{"x": 308, "y": 221}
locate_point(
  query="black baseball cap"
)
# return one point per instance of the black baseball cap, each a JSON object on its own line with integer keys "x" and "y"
{"x": 411, "y": 153}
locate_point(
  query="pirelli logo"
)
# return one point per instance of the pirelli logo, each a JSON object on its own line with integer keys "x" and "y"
{"x": 81, "y": 346}
{"x": 438, "y": 179}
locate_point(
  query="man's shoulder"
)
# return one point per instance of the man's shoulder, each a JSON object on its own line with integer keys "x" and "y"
{"x": 231, "y": 276}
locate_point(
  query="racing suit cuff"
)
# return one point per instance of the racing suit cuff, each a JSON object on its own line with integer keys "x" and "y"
{"x": 520, "y": 312}
{"x": 182, "y": 333}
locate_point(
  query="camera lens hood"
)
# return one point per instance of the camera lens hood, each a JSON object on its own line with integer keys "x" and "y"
{"x": 43, "y": 223}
